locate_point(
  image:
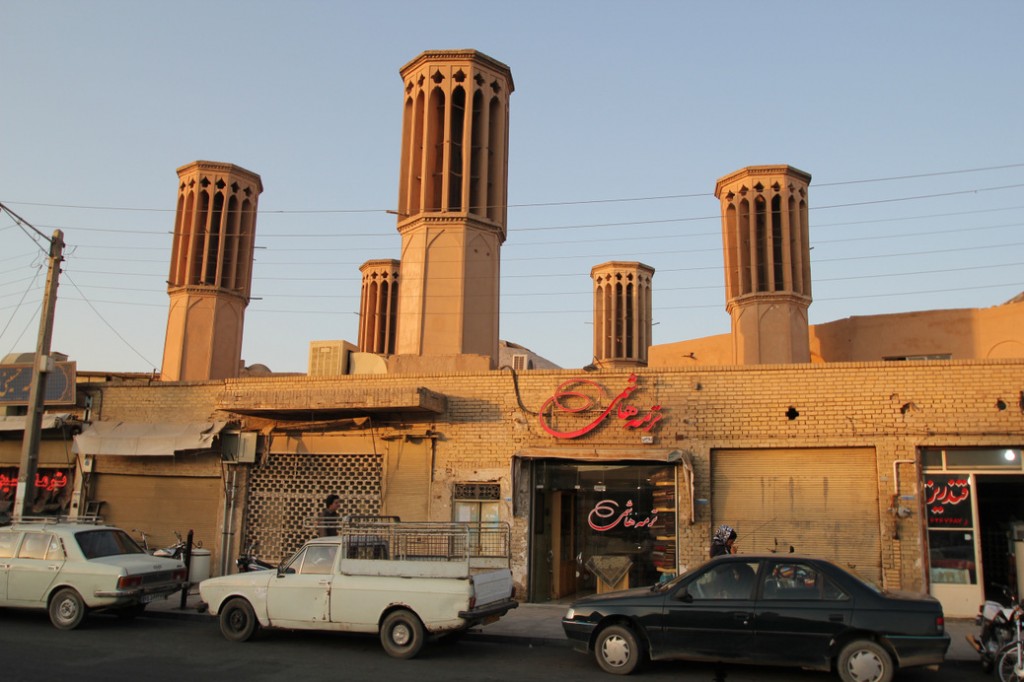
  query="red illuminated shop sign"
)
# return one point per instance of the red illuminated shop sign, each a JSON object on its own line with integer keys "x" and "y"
{"x": 47, "y": 482}
{"x": 948, "y": 501}
{"x": 606, "y": 516}
{"x": 577, "y": 396}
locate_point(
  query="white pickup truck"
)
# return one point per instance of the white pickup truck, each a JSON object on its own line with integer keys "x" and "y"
{"x": 405, "y": 581}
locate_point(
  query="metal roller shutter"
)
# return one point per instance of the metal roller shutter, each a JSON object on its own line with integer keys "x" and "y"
{"x": 161, "y": 505}
{"x": 822, "y": 502}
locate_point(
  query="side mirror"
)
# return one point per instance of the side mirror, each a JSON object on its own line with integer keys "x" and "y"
{"x": 685, "y": 596}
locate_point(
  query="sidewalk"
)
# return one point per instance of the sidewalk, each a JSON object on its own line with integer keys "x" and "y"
{"x": 541, "y": 625}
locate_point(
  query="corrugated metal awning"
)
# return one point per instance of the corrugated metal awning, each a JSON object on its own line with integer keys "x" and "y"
{"x": 661, "y": 455}
{"x": 144, "y": 439}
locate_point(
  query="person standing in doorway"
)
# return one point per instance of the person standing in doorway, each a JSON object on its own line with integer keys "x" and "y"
{"x": 723, "y": 541}
{"x": 327, "y": 521}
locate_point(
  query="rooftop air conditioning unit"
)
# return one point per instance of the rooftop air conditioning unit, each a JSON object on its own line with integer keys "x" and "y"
{"x": 329, "y": 358}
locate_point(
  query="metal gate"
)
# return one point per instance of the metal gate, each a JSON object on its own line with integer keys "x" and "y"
{"x": 821, "y": 502}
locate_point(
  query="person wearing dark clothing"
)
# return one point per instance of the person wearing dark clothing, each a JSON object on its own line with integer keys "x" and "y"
{"x": 723, "y": 541}
{"x": 327, "y": 521}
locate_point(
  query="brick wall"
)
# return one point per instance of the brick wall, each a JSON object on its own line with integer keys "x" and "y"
{"x": 893, "y": 408}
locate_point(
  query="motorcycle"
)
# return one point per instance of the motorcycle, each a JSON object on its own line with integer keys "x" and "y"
{"x": 247, "y": 561}
{"x": 177, "y": 550}
{"x": 997, "y": 629}
{"x": 1010, "y": 661}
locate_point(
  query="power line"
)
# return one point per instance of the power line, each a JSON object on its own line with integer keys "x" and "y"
{"x": 691, "y": 195}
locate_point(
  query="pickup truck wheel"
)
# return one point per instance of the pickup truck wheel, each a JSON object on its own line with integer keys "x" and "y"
{"x": 67, "y": 609}
{"x": 238, "y": 621}
{"x": 864, "y": 661}
{"x": 617, "y": 650}
{"x": 402, "y": 634}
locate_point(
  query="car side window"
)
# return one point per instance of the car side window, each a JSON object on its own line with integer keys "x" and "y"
{"x": 799, "y": 581}
{"x": 8, "y": 541}
{"x": 733, "y": 580}
{"x": 34, "y": 546}
{"x": 319, "y": 560}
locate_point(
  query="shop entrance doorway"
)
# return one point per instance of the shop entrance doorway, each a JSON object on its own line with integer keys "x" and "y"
{"x": 596, "y": 527}
{"x": 1000, "y": 515}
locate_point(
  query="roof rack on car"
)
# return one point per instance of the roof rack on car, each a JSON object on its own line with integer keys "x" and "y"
{"x": 63, "y": 518}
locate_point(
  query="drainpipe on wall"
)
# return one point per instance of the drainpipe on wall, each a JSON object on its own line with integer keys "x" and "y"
{"x": 229, "y": 522}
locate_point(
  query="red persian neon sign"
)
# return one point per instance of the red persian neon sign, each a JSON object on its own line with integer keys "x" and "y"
{"x": 575, "y": 389}
{"x": 609, "y": 509}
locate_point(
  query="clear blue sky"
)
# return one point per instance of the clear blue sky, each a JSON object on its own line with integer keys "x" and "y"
{"x": 908, "y": 115}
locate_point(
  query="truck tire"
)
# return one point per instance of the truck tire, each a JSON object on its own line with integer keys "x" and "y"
{"x": 238, "y": 622}
{"x": 865, "y": 661}
{"x": 67, "y": 609}
{"x": 617, "y": 650}
{"x": 402, "y": 634}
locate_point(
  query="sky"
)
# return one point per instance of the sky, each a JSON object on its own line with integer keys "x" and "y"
{"x": 907, "y": 115}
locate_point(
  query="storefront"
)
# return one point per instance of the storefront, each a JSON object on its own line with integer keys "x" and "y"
{"x": 600, "y": 526}
{"x": 975, "y": 513}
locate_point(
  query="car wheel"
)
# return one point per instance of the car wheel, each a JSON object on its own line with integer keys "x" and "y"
{"x": 617, "y": 650}
{"x": 402, "y": 634}
{"x": 864, "y": 661}
{"x": 238, "y": 621}
{"x": 1006, "y": 664}
{"x": 67, "y": 609}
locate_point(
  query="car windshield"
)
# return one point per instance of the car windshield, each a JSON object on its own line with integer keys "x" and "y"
{"x": 103, "y": 542}
{"x": 669, "y": 584}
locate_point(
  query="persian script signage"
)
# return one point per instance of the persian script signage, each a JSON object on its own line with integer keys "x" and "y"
{"x": 948, "y": 501}
{"x": 16, "y": 382}
{"x": 560, "y": 415}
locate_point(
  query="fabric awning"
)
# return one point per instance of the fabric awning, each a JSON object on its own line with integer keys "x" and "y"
{"x": 144, "y": 439}
{"x": 598, "y": 454}
{"x": 49, "y": 421}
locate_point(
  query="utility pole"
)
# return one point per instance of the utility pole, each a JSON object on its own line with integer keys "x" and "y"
{"x": 41, "y": 367}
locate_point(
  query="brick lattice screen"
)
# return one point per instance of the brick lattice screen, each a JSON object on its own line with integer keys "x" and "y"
{"x": 287, "y": 492}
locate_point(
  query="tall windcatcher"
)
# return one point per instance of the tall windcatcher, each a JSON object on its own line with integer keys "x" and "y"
{"x": 378, "y": 306}
{"x": 767, "y": 262}
{"x": 211, "y": 271}
{"x": 452, "y": 200}
{"x": 622, "y": 313}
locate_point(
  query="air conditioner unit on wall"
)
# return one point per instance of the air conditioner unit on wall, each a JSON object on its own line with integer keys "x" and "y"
{"x": 329, "y": 358}
{"x": 520, "y": 362}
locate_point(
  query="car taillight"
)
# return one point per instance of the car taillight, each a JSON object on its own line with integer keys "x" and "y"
{"x": 940, "y": 624}
{"x": 180, "y": 574}
{"x": 472, "y": 602}
{"x": 129, "y": 582}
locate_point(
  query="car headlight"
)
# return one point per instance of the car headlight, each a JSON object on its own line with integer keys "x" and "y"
{"x": 570, "y": 614}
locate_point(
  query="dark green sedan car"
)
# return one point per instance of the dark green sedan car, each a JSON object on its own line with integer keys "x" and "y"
{"x": 777, "y": 609}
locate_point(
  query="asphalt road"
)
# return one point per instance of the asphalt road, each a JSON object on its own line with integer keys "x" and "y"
{"x": 149, "y": 649}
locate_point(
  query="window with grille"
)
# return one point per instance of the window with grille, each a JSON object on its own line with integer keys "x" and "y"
{"x": 477, "y": 504}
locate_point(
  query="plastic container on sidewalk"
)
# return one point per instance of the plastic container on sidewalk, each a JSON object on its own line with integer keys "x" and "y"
{"x": 199, "y": 568}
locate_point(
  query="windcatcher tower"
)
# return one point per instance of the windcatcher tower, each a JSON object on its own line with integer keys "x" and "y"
{"x": 453, "y": 189}
{"x": 622, "y": 313}
{"x": 767, "y": 263}
{"x": 211, "y": 271}
{"x": 378, "y": 306}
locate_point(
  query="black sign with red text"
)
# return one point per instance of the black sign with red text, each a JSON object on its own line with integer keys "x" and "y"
{"x": 948, "y": 501}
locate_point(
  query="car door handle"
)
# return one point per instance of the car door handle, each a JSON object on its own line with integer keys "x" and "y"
{"x": 324, "y": 582}
{"x": 742, "y": 617}
{"x": 836, "y": 618}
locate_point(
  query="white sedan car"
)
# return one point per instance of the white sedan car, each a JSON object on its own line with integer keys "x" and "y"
{"x": 73, "y": 568}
